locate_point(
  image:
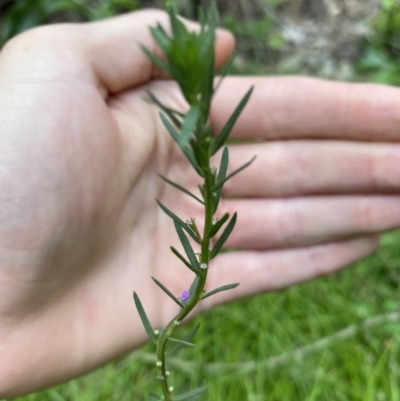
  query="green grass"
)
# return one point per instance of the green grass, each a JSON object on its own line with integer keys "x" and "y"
{"x": 360, "y": 363}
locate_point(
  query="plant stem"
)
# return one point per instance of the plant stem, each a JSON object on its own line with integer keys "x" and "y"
{"x": 195, "y": 298}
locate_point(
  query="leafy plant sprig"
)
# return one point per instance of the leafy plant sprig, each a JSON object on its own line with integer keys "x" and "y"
{"x": 190, "y": 60}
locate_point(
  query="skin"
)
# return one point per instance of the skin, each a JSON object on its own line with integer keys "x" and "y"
{"x": 81, "y": 153}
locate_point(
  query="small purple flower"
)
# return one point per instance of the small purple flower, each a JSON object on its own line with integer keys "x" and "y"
{"x": 185, "y": 296}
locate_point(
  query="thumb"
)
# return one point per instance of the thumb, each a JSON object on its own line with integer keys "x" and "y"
{"x": 116, "y": 58}
{"x": 105, "y": 53}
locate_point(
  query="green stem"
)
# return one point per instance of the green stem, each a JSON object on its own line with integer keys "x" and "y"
{"x": 162, "y": 372}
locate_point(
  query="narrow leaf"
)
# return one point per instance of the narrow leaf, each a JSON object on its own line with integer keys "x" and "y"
{"x": 223, "y": 135}
{"x": 193, "y": 226}
{"x": 177, "y": 186}
{"x": 177, "y": 220}
{"x": 190, "y": 395}
{"x": 224, "y": 236}
{"x": 219, "y": 289}
{"x": 178, "y": 28}
{"x": 212, "y": 17}
{"x": 188, "y": 337}
{"x": 161, "y": 38}
{"x": 199, "y": 153}
{"x": 208, "y": 82}
{"x": 187, "y": 264}
{"x": 192, "y": 332}
{"x": 171, "y": 214}
{"x": 223, "y": 168}
{"x": 220, "y": 184}
{"x": 193, "y": 287}
{"x": 172, "y": 114}
{"x": 168, "y": 292}
{"x": 189, "y": 125}
{"x": 215, "y": 228}
{"x": 182, "y": 342}
{"x": 145, "y": 320}
{"x": 171, "y": 129}
{"x": 155, "y": 60}
{"x": 187, "y": 247}
{"x": 176, "y": 253}
{"x": 208, "y": 32}
{"x": 175, "y": 136}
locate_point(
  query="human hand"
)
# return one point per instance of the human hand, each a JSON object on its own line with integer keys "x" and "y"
{"x": 81, "y": 151}
{"x": 81, "y": 229}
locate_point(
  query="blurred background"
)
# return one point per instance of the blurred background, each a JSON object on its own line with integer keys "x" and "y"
{"x": 337, "y": 338}
{"x": 339, "y": 39}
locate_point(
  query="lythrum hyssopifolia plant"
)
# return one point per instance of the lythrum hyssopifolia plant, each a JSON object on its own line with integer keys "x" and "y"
{"x": 189, "y": 59}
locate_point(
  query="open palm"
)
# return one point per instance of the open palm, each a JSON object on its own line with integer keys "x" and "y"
{"x": 81, "y": 230}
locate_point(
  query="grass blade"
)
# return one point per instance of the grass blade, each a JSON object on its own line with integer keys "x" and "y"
{"x": 179, "y": 221}
{"x": 223, "y": 135}
{"x": 188, "y": 248}
{"x": 219, "y": 289}
{"x": 191, "y": 395}
{"x": 215, "y": 228}
{"x": 144, "y": 318}
{"x": 224, "y": 236}
{"x": 177, "y": 186}
{"x": 168, "y": 292}
{"x": 223, "y": 168}
{"x": 220, "y": 184}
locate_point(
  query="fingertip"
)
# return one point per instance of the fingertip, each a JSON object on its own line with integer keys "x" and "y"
{"x": 224, "y": 46}
{"x": 370, "y": 244}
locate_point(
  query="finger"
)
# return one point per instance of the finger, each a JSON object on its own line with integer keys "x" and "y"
{"x": 117, "y": 59}
{"x": 298, "y": 222}
{"x": 105, "y": 52}
{"x": 289, "y": 107}
{"x": 267, "y": 271}
{"x": 291, "y": 168}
